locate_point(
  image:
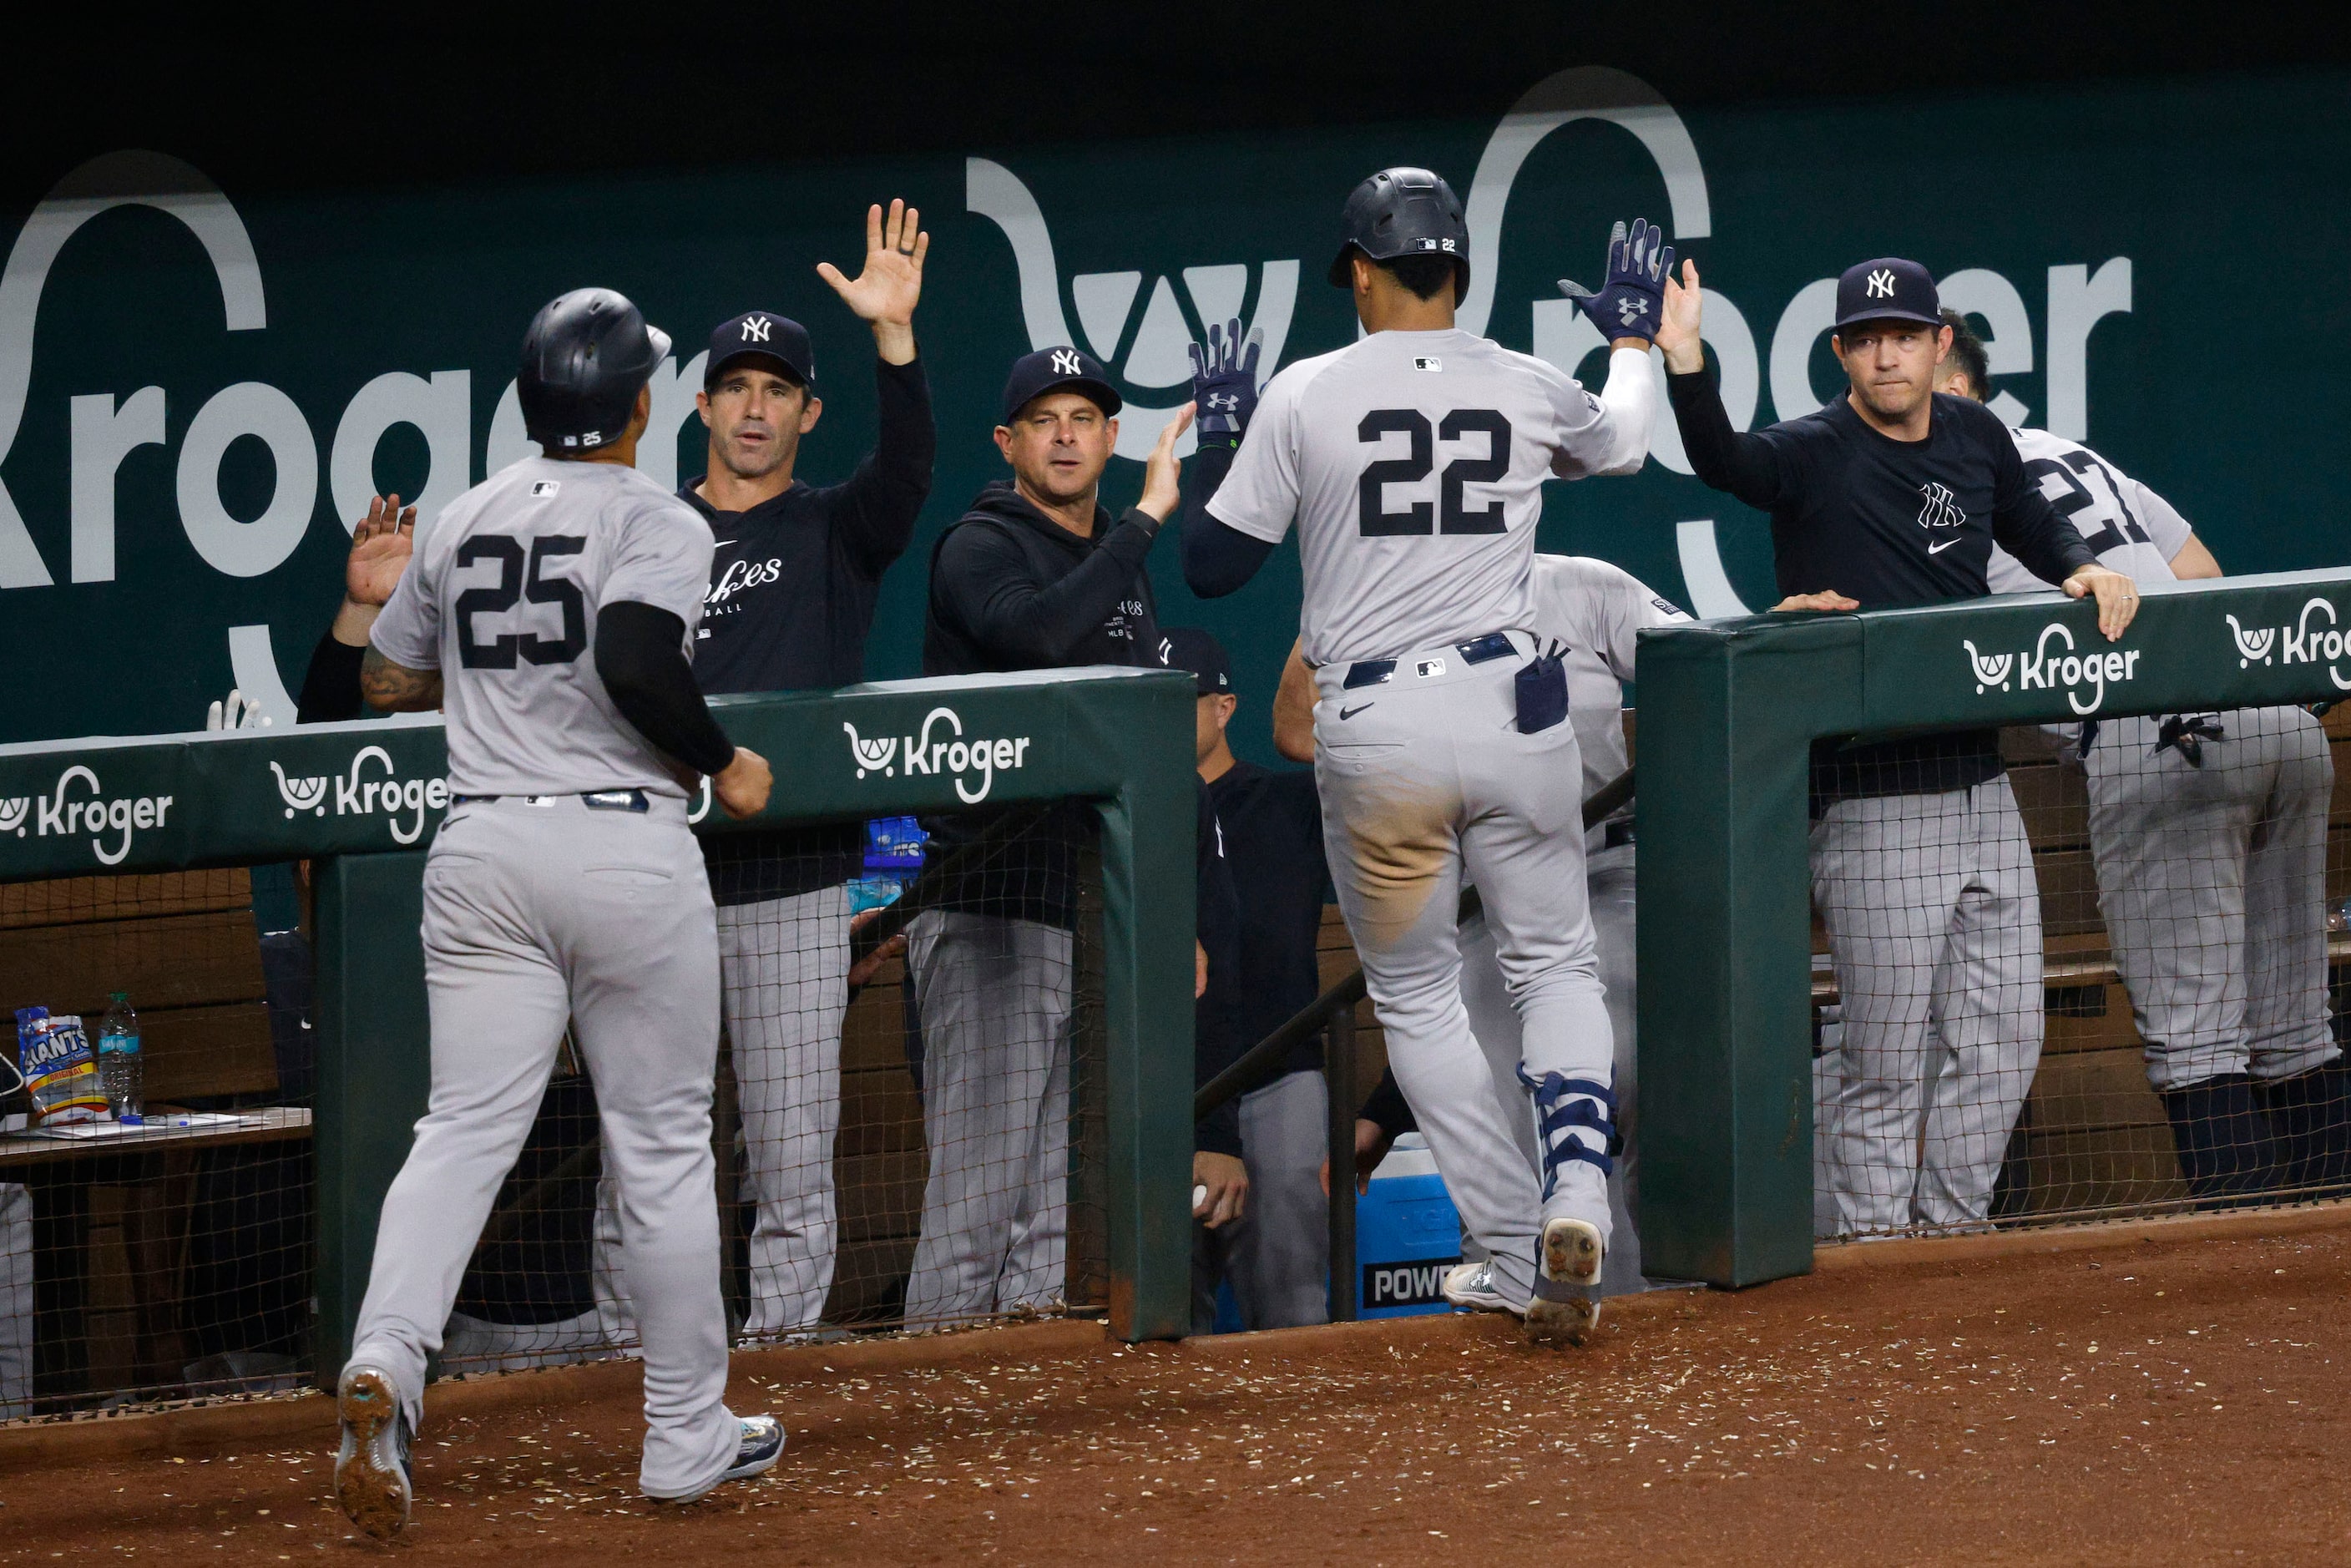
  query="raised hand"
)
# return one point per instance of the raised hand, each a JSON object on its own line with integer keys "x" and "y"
{"x": 1162, "y": 469}
{"x": 1631, "y": 299}
{"x": 1677, "y": 333}
{"x": 382, "y": 544}
{"x": 884, "y": 293}
{"x": 1223, "y": 383}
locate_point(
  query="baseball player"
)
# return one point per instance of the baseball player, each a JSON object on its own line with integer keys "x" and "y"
{"x": 1037, "y": 575}
{"x": 1412, "y": 464}
{"x": 1591, "y": 612}
{"x": 1920, "y": 866}
{"x": 548, "y": 611}
{"x": 2209, "y": 831}
{"x": 795, "y": 572}
{"x": 1277, "y": 1255}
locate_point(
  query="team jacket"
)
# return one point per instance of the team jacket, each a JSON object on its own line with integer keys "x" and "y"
{"x": 792, "y": 587}
{"x": 1012, "y": 590}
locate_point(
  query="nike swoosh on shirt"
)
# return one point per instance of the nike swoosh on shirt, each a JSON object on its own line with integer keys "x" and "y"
{"x": 1938, "y": 549}
{"x": 1347, "y": 713}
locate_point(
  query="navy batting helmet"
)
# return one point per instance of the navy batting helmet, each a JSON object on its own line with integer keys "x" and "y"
{"x": 1403, "y": 212}
{"x": 586, "y": 354}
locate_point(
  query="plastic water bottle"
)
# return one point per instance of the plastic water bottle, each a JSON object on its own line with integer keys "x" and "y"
{"x": 120, "y": 1075}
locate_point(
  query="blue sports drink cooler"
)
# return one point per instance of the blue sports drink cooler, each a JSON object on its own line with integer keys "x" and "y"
{"x": 1407, "y": 1234}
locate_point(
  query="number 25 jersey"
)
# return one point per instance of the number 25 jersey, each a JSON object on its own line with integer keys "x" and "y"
{"x": 501, "y": 597}
{"x": 1412, "y": 463}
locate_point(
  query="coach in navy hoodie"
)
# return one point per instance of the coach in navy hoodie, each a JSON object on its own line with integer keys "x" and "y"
{"x": 1035, "y": 576}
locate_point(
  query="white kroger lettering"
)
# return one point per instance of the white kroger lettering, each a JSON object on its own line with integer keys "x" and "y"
{"x": 2042, "y": 670}
{"x": 957, "y": 756}
{"x": 357, "y": 797}
{"x": 100, "y": 815}
{"x": 2299, "y": 644}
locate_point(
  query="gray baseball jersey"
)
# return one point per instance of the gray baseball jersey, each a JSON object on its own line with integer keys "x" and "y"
{"x": 555, "y": 893}
{"x": 1413, "y": 465}
{"x": 501, "y": 597}
{"x": 1598, "y": 610}
{"x": 2134, "y": 530}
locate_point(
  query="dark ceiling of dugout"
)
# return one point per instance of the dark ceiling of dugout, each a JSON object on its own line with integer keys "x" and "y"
{"x": 400, "y": 98}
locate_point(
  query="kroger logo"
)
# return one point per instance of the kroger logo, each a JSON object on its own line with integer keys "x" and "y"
{"x": 360, "y": 793}
{"x": 2300, "y": 643}
{"x": 2060, "y": 669}
{"x": 66, "y": 811}
{"x": 957, "y": 757}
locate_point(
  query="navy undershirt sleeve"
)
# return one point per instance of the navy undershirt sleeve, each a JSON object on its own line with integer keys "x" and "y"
{"x": 640, "y": 657}
{"x": 330, "y": 687}
{"x": 1217, "y": 557}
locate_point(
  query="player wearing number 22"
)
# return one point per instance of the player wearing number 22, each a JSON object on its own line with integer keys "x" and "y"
{"x": 1412, "y": 465}
{"x": 551, "y": 607}
{"x": 1895, "y": 494}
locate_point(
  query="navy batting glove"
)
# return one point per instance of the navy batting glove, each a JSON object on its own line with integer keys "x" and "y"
{"x": 1631, "y": 302}
{"x": 1224, "y": 384}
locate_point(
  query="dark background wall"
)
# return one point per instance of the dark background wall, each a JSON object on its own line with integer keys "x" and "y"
{"x": 411, "y": 189}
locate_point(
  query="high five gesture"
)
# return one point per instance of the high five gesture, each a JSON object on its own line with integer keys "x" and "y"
{"x": 884, "y": 293}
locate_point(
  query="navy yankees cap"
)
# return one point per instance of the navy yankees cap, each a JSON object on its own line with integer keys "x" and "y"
{"x": 1189, "y": 648}
{"x": 1888, "y": 286}
{"x": 768, "y": 335}
{"x": 1058, "y": 370}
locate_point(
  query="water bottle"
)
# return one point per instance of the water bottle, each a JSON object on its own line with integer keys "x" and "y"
{"x": 120, "y": 1077}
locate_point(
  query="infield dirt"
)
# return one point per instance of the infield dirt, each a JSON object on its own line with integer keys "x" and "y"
{"x": 2177, "y": 1393}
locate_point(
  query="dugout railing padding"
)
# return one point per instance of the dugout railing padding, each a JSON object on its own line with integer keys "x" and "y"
{"x": 1729, "y": 711}
{"x": 359, "y": 799}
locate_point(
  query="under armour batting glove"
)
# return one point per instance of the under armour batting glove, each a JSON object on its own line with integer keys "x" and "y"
{"x": 1633, "y": 299}
{"x": 1224, "y": 384}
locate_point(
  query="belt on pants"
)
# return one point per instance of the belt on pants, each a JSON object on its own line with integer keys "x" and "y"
{"x": 594, "y": 800}
{"x": 1476, "y": 651}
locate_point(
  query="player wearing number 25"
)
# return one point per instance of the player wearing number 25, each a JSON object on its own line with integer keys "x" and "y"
{"x": 1412, "y": 465}
{"x": 552, "y": 606}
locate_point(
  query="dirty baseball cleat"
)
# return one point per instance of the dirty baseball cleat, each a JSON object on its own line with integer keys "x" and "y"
{"x": 371, "y": 1479}
{"x": 1470, "y": 1287}
{"x": 1566, "y": 1304}
{"x": 762, "y": 1446}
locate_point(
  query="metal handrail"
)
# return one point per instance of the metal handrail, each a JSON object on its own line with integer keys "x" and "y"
{"x": 1264, "y": 1061}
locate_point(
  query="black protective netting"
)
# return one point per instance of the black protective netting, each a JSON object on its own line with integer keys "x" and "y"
{"x": 910, "y": 1114}
{"x": 2078, "y": 971}
{"x": 173, "y": 1259}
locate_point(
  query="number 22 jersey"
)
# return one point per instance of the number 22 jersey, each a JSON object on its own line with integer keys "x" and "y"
{"x": 1413, "y": 465}
{"x": 501, "y": 597}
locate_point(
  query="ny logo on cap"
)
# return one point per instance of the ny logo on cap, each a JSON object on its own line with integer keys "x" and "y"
{"x": 1881, "y": 284}
{"x": 754, "y": 328}
{"x": 1066, "y": 363}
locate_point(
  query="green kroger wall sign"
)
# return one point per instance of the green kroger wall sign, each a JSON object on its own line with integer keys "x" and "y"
{"x": 200, "y": 389}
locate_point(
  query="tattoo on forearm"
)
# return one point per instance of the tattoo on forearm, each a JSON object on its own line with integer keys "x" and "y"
{"x": 396, "y": 688}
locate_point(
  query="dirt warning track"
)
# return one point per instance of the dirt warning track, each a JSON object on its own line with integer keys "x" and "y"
{"x": 2172, "y": 1393}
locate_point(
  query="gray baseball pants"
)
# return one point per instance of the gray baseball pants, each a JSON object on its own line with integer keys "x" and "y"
{"x": 1427, "y": 783}
{"x": 995, "y": 999}
{"x": 783, "y": 964}
{"x": 536, "y": 912}
{"x": 1609, "y": 880}
{"x": 1934, "y": 924}
{"x": 1277, "y": 1253}
{"x": 2212, "y": 880}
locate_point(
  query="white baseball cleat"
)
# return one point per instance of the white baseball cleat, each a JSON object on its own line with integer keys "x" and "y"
{"x": 371, "y": 1479}
{"x": 762, "y": 1445}
{"x": 1470, "y": 1287}
{"x": 1566, "y": 1303}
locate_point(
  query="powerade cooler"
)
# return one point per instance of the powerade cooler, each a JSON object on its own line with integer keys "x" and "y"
{"x": 1407, "y": 1234}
